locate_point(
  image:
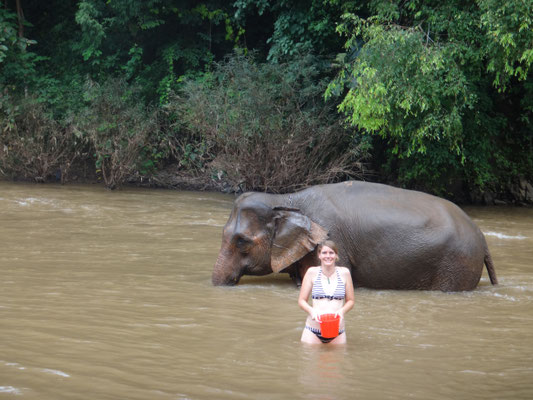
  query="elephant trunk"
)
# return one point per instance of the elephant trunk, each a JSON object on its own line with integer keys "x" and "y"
{"x": 225, "y": 272}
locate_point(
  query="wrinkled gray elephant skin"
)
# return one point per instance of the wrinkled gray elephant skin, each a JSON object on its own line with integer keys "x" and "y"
{"x": 390, "y": 238}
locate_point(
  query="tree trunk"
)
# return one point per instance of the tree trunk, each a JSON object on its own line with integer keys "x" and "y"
{"x": 20, "y": 16}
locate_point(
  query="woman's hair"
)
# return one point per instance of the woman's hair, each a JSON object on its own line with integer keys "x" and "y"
{"x": 328, "y": 243}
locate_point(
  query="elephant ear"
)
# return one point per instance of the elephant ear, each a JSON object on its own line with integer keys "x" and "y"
{"x": 295, "y": 235}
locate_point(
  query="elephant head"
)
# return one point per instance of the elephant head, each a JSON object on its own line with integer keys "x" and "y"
{"x": 260, "y": 238}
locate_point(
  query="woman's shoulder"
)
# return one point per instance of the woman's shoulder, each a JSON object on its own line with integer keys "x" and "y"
{"x": 312, "y": 271}
{"x": 344, "y": 271}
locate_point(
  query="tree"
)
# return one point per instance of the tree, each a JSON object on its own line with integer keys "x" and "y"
{"x": 18, "y": 65}
{"x": 155, "y": 42}
{"x": 418, "y": 75}
{"x": 509, "y": 32}
{"x": 292, "y": 28}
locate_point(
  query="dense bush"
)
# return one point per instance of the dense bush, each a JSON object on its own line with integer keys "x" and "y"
{"x": 34, "y": 146}
{"x": 114, "y": 135}
{"x": 268, "y": 127}
{"x": 124, "y": 135}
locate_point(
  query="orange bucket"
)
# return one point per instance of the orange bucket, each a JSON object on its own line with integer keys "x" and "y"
{"x": 329, "y": 325}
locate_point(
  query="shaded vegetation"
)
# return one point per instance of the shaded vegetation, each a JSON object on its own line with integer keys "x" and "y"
{"x": 270, "y": 94}
{"x": 36, "y": 146}
{"x": 266, "y": 126}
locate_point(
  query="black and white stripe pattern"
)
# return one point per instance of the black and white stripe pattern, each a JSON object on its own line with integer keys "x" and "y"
{"x": 319, "y": 292}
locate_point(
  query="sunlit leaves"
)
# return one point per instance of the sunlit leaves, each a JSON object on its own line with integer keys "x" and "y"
{"x": 509, "y": 30}
{"x": 402, "y": 87}
{"x": 420, "y": 74}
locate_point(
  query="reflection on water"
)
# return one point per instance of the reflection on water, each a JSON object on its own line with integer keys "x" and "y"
{"x": 107, "y": 295}
{"x": 322, "y": 371}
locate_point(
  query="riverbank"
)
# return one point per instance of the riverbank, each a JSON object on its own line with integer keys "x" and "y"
{"x": 519, "y": 193}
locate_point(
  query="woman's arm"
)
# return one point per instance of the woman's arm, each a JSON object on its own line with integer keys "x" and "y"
{"x": 305, "y": 291}
{"x": 350, "y": 296}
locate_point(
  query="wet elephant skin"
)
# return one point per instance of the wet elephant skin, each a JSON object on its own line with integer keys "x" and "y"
{"x": 390, "y": 238}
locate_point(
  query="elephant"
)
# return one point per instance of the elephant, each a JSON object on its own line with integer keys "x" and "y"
{"x": 389, "y": 237}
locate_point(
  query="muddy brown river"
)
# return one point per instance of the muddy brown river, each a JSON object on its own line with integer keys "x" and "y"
{"x": 107, "y": 295}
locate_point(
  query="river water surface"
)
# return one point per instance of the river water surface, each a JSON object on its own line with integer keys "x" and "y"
{"x": 107, "y": 295}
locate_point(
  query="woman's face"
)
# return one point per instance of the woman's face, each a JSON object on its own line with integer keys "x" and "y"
{"x": 327, "y": 256}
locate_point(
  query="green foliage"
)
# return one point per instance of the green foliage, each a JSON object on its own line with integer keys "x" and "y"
{"x": 93, "y": 30}
{"x": 417, "y": 74}
{"x": 9, "y": 37}
{"x": 154, "y": 41}
{"x": 440, "y": 93}
{"x": 17, "y": 64}
{"x": 402, "y": 87}
{"x": 298, "y": 27}
{"x": 509, "y": 29}
{"x": 268, "y": 126}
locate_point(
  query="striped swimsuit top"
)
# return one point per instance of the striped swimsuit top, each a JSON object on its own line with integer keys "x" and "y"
{"x": 319, "y": 292}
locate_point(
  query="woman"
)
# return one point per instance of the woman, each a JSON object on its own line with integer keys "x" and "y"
{"x": 332, "y": 290}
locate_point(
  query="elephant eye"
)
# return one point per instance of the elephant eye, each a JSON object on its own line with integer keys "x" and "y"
{"x": 243, "y": 243}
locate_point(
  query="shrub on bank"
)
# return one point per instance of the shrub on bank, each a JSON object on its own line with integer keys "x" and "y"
{"x": 33, "y": 145}
{"x": 123, "y": 134}
{"x": 267, "y": 127}
{"x": 114, "y": 136}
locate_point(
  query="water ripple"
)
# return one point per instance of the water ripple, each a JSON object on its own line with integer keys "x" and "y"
{"x": 55, "y": 372}
{"x": 10, "y": 390}
{"x": 503, "y": 236}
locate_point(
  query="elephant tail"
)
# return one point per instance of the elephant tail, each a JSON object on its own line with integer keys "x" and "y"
{"x": 490, "y": 266}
